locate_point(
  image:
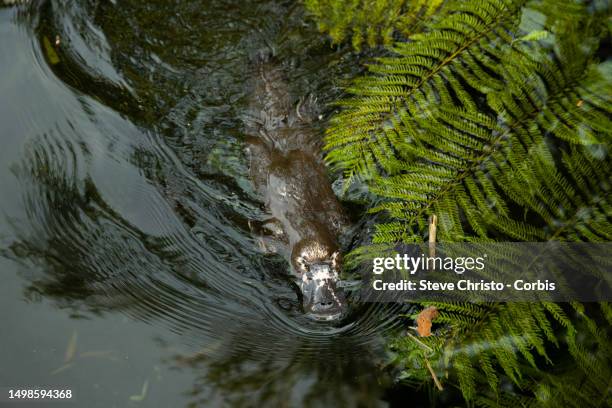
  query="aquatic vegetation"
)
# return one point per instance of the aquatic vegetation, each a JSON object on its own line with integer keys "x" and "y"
{"x": 493, "y": 117}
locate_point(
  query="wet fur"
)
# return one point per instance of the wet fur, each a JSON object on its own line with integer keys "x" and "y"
{"x": 288, "y": 172}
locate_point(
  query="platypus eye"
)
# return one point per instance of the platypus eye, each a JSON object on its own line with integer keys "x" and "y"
{"x": 335, "y": 259}
{"x": 301, "y": 263}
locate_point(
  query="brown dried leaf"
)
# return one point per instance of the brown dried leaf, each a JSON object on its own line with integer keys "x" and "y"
{"x": 424, "y": 320}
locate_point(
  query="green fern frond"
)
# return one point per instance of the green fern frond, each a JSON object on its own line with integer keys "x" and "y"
{"x": 587, "y": 383}
{"x": 430, "y": 67}
{"x": 495, "y": 117}
{"x": 492, "y": 335}
{"x": 370, "y": 22}
{"x": 428, "y": 145}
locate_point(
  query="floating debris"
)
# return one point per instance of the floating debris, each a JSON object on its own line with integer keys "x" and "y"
{"x": 50, "y": 51}
{"x": 72, "y": 347}
{"x": 143, "y": 393}
{"x": 62, "y": 368}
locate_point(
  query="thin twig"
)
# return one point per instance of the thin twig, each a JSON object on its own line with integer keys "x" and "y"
{"x": 425, "y": 346}
{"x": 433, "y": 375}
{"x": 433, "y": 222}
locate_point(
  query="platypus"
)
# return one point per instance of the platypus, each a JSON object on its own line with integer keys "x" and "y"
{"x": 287, "y": 170}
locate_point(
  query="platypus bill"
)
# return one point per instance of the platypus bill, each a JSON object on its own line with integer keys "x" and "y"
{"x": 287, "y": 170}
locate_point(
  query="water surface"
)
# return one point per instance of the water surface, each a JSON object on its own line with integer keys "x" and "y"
{"x": 125, "y": 248}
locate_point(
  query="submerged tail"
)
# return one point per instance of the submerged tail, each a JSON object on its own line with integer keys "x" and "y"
{"x": 270, "y": 103}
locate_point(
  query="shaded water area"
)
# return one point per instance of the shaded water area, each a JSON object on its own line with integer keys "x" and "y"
{"x": 129, "y": 271}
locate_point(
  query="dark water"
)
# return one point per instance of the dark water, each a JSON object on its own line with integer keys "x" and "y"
{"x": 126, "y": 256}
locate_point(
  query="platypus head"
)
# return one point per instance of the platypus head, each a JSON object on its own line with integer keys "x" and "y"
{"x": 318, "y": 272}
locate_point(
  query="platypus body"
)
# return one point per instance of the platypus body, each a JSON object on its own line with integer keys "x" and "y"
{"x": 287, "y": 170}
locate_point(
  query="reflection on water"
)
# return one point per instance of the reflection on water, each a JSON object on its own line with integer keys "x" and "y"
{"x": 126, "y": 191}
{"x": 291, "y": 373}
